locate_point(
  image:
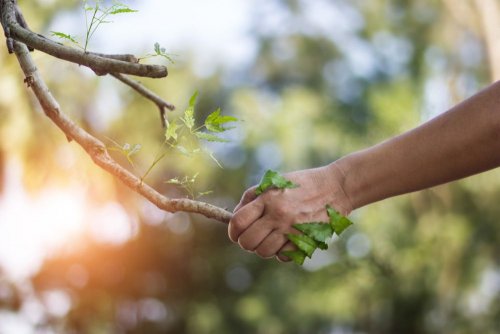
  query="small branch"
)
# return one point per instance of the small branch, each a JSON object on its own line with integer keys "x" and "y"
{"x": 97, "y": 150}
{"x": 160, "y": 103}
{"x": 100, "y": 65}
{"x": 123, "y": 57}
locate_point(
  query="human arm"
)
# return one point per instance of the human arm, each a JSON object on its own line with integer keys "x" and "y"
{"x": 462, "y": 141}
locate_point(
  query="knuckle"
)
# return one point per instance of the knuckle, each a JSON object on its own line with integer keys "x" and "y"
{"x": 264, "y": 253}
{"x": 234, "y": 229}
{"x": 246, "y": 243}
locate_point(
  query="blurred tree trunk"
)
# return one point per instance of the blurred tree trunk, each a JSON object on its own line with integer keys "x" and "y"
{"x": 482, "y": 17}
{"x": 489, "y": 19}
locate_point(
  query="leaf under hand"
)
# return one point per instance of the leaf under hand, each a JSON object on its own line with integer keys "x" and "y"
{"x": 304, "y": 243}
{"x": 320, "y": 232}
{"x": 296, "y": 256}
{"x": 338, "y": 222}
{"x": 273, "y": 179}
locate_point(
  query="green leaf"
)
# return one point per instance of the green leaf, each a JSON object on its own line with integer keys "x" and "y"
{"x": 189, "y": 112}
{"x": 64, "y": 36}
{"x": 171, "y": 131}
{"x": 192, "y": 100}
{"x": 338, "y": 222}
{"x": 210, "y": 137}
{"x": 320, "y": 232}
{"x": 273, "y": 179}
{"x": 122, "y": 10}
{"x": 322, "y": 245}
{"x": 296, "y": 256}
{"x": 157, "y": 48}
{"x": 304, "y": 243}
{"x": 215, "y": 121}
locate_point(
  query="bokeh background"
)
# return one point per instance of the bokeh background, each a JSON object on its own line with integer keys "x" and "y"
{"x": 311, "y": 81}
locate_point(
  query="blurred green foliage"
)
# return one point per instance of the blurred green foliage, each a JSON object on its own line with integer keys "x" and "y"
{"x": 422, "y": 263}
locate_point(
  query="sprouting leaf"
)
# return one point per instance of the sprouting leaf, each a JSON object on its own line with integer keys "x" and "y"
{"x": 157, "y": 48}
{"x": 338, "y": 222}
{"x": 64, "y": 36}
{"x": 215, "y": 122}
{"x": 273, "y": 179}
{"x": 122, "y": 10}
{"x": 304, "y": 243}
{"x": 188, "y": 118}
{"x": 171, "y": 131}
{"x": 210, "y": 137}
{"x": 318, "y": 231}
{"x": 160, "y": 51}
{"x": 296, "y": 256}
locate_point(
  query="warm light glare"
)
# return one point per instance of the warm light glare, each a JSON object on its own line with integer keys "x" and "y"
{"x": 32, "y": 227}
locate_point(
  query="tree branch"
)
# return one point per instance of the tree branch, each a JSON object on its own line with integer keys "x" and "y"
{"x": 97, "y": 150}
{"x": 160, "y": 103}
{"x": 13, "y": 23}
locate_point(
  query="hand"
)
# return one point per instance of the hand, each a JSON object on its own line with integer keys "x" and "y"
{"x": 260, "y": 223}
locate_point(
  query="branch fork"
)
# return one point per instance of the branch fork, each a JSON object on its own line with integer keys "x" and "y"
{"x": 20, "y": 40}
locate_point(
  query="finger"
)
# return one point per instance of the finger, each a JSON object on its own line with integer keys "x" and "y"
{"x": 251, "y": 238}
{"x": 289, "y": 246}
{"x": 247, "y": 197}
{"x": 271, "y": 245}
{"x": 244, "y": 218}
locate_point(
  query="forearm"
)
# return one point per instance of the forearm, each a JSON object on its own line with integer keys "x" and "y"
{"x": 461, "y": 142}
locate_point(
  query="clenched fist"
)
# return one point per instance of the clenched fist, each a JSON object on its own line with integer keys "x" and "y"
{"x": 260, "y": 223}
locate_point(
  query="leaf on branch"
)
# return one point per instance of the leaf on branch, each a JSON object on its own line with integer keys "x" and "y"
{"x": 62, "y": 35}
{"x": 122, "y": 10}
{"x": 215, "y": 122}
{"x": 171, "y": 131}
{"x": 188, "y": 118}
{"x": 273, "y": 179}
{"x": 338, "y": 222}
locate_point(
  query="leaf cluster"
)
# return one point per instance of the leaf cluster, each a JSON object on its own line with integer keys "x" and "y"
{"x": 214, "y": 124}
{"x": 183, "y": 136}
{"x": 95, "y": 15}
{"x": 314, "y": 234}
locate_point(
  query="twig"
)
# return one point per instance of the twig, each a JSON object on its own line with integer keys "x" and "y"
{"x": 97, "y": 150}
{"x": 100, "y": 65}
{"x": 160, "y": 103}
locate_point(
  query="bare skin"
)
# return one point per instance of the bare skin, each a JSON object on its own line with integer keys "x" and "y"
{"x": 461, "y": 142}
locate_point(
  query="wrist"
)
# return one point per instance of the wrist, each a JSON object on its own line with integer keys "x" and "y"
{"x": 341, "y": 197}
{"x": 349, "y": 179}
